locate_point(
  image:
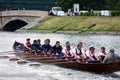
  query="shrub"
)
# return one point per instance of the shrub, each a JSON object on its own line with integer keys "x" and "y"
{"x": 81, "y": 14}
{"x": 115, "y": 13}
{"x": 87, "y": 14}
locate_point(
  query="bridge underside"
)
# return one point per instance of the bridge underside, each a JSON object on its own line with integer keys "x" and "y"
{"x": 14, "y": 25}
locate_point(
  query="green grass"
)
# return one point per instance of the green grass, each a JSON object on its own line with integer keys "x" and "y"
{"x": 78, "y": 23}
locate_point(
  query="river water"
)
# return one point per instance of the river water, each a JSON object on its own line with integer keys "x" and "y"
{"x": 10, "y": 70}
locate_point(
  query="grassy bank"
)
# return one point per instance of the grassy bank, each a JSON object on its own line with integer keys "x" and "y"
{"x": 79, "y": 23}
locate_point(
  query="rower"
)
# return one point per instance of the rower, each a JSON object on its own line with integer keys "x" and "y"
{"x": 57, "y": 50}
{"x": 79, "y": 52}
{"x": 92, "y": 56}
{"x": 102, "y": 54}
{"x": 111, "y": 57}
{"x": 39, "y": 42}
{"x": 46, "y": 47}
{"x": 39, "y": 47}
{"x": 34, "y": 47}
{"x": 67, "y": 50}
{"x": 28, "y": 45}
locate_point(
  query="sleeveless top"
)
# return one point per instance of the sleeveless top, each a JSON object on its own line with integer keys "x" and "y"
{"x": 80, "y": 52}
{"x": 92, "y": 55}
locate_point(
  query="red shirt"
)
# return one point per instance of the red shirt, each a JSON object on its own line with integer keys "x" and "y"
{"x": 28, "y": 44}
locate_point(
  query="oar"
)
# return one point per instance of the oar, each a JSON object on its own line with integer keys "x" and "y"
{"x": 23, "y": 62}
{"x": 6, "y": 51}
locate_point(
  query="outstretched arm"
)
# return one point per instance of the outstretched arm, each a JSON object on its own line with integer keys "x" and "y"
{"x": 105, "y": 60}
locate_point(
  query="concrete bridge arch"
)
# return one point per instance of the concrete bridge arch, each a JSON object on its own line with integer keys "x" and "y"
{"x": 14, "y": 25}
{"x": 13, "y": 20}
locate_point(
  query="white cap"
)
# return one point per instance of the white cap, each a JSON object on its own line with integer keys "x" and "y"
{"x": 91, "y": 46}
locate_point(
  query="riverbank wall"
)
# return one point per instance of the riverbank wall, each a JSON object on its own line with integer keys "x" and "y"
{"x": 71, "y": 32}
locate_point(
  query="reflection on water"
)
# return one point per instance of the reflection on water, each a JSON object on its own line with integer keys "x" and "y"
{"x": 13, "y": 71}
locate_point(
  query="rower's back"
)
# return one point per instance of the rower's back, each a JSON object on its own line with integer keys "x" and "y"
{"x": 111, "y": 57}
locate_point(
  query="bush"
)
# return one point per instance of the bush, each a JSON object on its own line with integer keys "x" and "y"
{"x": 115, "y": 13}
{"x": 87, "y": 14}
{"x": 81, "y": 14}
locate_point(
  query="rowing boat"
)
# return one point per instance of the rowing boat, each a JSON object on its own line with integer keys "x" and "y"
{"x": 70, "y": 64}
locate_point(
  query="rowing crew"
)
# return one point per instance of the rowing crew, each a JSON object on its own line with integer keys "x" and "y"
{"x": 78, "y": 53}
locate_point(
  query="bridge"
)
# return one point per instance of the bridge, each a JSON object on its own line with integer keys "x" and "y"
{"x": 13, "y": 20}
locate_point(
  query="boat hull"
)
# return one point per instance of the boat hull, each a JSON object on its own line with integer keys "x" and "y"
{"x": 98, "y": 67}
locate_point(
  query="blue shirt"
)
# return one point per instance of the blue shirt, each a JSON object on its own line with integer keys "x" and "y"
{"x": 46, "y": 48}
{"x": 34, "y": 47}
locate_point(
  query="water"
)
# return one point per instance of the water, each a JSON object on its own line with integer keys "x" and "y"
{"x": 13, "y": 71}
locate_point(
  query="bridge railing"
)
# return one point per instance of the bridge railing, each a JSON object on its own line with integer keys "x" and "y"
{"x": 24, "y": 13}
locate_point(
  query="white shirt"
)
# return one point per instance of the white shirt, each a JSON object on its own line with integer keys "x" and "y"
{"x": 88, "y": 53}
{"x": 100, "y": 54}
{"x": 78, "y": 51}
{"x": 64, "y": 50}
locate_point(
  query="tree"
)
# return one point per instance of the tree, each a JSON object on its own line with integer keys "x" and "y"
{"x": 89, "y": 4}
{"x": 84, "y": 4}
{"x": 118, "y": 6}
{"x": 94, "y": 4}
{"x": 111, "y": 4}
{"x": 66, "y": 4}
